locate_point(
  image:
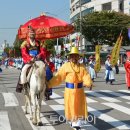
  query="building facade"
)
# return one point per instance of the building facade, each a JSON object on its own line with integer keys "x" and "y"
{"x": 87, "y": 6}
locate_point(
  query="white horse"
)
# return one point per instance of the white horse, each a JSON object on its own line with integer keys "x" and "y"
{"x": 36, "y": 92}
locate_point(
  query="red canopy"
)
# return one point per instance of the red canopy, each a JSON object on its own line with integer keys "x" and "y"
{"x": 46, "y": 27}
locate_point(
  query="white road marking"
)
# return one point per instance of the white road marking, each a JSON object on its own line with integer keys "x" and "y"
{"x": 118, "y": 107}
{"x": 46, "y": 123}
{"x": 89, "y": 100}
{"x": 4, "y": 121}
{"x": 108, "y": 99}
{"x": 112, "y": 121}
{"x": 10, "y": 99}
{"x": 128, "y": 102}
{"x": 58, "y": 108}
{"x": 54, "y": 95}
{"x": 43, "y": 103}
{"x": 116, "y": 94}
{"x": 60, "y": 101}
{"x": 126, "y": 91}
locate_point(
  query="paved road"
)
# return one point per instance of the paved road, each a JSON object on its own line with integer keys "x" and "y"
{"x": 108, "y": 106}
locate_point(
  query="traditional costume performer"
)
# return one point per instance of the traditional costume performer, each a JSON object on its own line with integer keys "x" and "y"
{"x": 76, "y": 76}
{"x": 127, "y": 68}
{"x": 50, "y": 68}
{"x": 109, "y": 74}
{"x": 91, "y": 68}
{"x": 30, "y": 49}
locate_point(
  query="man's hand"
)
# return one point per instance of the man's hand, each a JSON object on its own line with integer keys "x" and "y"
{"x": 38, "y": 57}
{"x": 91, "y": 87}
{"x": 32, "y": 60}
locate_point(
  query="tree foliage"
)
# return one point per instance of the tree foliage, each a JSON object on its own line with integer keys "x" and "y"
{"x": 17, "y": 43}
{"x": 104, "y": 27}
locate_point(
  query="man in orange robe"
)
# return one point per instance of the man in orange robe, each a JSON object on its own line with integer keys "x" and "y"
{"x": 127, "y": 68}
{"x": 76, "y": 76}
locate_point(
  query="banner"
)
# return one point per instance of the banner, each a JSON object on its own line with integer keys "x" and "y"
{"x": 97, "y": 66}
{"x": 116, "y": 51}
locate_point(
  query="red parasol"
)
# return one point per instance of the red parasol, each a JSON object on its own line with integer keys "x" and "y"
{"x": 46, "y": 27}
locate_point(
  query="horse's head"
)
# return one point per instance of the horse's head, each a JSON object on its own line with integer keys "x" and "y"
{"x": 39, "y": 69}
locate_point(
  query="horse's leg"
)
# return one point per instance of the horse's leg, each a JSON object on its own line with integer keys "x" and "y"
{"x": 34, "y": 107}
{"x": 39, "y": 122}
{"x": 26, "y": 104}
{"x": 30, "y": 107}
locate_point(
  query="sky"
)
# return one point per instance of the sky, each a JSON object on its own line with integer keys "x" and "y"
{"x": 13, "y": 13}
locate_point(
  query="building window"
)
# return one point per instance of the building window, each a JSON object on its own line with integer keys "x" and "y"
{"x": 85, "y": 1}
{"x": 73, "y": 8}
{"x": 86, "y": 11}
{"x": 72, "y": 1}
{"x": 106, "y": 6}
{"x": 121, "y": 5}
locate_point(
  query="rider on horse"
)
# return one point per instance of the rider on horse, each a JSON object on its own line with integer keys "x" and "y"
{"x": 31, "y": 49}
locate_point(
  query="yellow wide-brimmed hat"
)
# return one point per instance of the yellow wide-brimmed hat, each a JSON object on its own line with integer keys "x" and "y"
{"x": 74, "y": 50}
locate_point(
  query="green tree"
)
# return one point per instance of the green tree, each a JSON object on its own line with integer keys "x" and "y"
{"x": 53, "y": 42}
{"x": 17, "y": 43}
{"x": 104, "y": 27}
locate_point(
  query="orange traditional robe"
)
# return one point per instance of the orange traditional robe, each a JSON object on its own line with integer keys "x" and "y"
{"x": 74, "y": 98}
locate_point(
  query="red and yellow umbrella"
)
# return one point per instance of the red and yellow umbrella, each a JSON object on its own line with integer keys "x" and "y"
{"x": 46, "y": 27}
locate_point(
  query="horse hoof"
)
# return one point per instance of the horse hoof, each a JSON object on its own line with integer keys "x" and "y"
{"x": 34, "y": 123}
{"x": 25, "y": 112}
{"x": 40, "y": 123}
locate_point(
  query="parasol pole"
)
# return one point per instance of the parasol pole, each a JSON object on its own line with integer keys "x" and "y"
{"x": 57, "y": 45}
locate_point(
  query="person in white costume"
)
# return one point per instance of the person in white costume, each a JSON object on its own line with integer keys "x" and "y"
{"x": 109, "y": 74}
{"x": 91, "y": 68}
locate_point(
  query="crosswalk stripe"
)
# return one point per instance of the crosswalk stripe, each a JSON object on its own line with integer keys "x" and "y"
{"x": 116, "y": 94}
{"x": 54, "y": 95}
{"x": 118, "y": 107}
{"x": 60, "y": 110}
{"x": 48, "y": 126}
{"x": 108, "y": 99}
{"x": 89, "y": 100}
{"x": 114, "y": 122}
{"x": 60, "y": 101}
{"x": 10, "y": 99}
{"x": 43, "y": 103}
{"x": 126, "y": 91}
{"x": 128, "y": 102}
{"x": 4, "y": 121}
